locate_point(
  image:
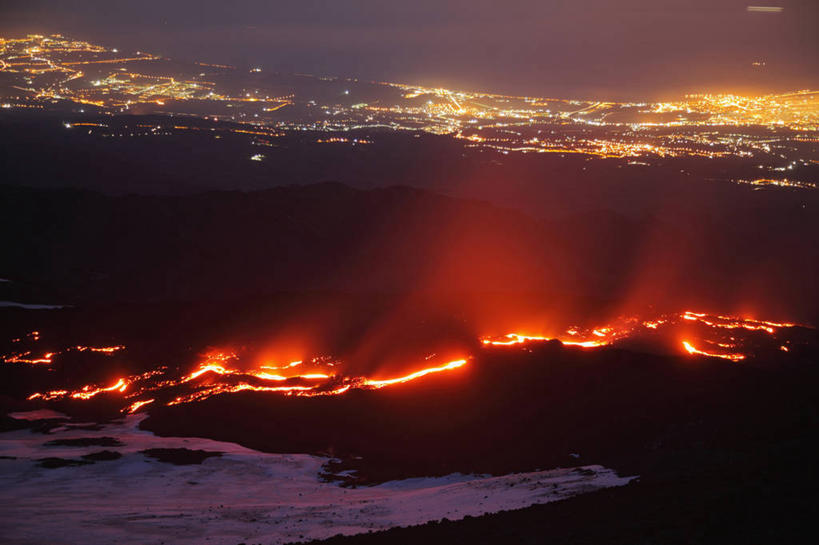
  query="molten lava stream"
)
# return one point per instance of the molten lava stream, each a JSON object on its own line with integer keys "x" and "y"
{"x": 511, "y": 339}
{"x": 692, "y": 350}
{"x": 88, "y": 392}
{"x": 26, "y": 357}
{"x": 728, "y": 322}
{"x": 134, "y": 407}
{"x": 412, "y": 376}
{"x": 319, "y": 376}
{"x": 310, "y": 384}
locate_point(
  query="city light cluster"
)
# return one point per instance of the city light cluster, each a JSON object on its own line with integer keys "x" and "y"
{"x": 777, "y": 130}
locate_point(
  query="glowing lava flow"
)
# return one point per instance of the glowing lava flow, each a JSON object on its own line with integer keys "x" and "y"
{"x": 208, "y": 368}
{"x": 219, "y": 369}
{"x": 230, "y": 381}
{"x": 134, "y": 407}
{"x": 48, "y": 357}
{"x": 516, "y": 338}
{"x": 626, "y": 327}
{"x": 727, "y": 322}
{"x": 88, "y": 392}
{"x": 103, "y": 349}
{"x": 692, "y": 350}
{"x": 26, "y": 357}
{"x": 512, "y": 339}
{"x": 412, "y": 376}
{"x": 224, "y": 373}
{"x": 232, "y": 389}
{"x": 301, "y": 390}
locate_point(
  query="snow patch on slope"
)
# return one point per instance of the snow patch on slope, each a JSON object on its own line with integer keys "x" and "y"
{"x": 241, "y": 496}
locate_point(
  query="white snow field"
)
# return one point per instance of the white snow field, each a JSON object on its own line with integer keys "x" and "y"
{"x": 242, "y": 496}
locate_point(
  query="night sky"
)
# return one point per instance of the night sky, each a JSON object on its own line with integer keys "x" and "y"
{"x": 582, "y": 48}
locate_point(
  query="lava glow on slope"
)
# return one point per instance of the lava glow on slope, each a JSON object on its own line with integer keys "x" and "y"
{"x": 692, "y": 350}
{"x": 27, "y": 357}
{"x": 47, "y": 358}
{"x": 575, "y": 336}
{"x": 710, "y": 333}
{"x": 309, "y": 384}
{"x": 225, "y": 372}
{"x": 412, "y": 376}
{"x": 515, "y": 338}
{"x": 219, "y": 373}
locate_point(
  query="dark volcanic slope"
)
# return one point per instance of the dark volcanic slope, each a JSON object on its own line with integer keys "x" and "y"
{"x": 766, "y": 502}
{"x": 232, "y": 243}
{"x": 519, "y": 410}
{"x": 75, "y": 245}
{"x": 725, "y": 452}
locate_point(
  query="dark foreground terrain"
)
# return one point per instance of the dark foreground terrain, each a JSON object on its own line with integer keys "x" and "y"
{"x": 725, "y": 452}
{"x": 769, "y": 500}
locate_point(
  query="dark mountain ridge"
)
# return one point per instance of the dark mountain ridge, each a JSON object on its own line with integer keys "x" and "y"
{"x": 76, "y": 245}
